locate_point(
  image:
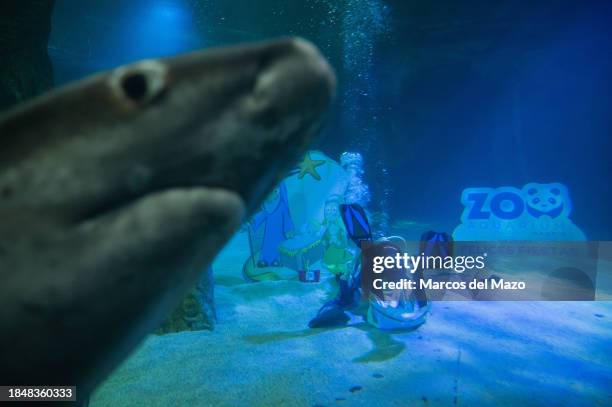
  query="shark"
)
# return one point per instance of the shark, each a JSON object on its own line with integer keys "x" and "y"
{"x": 118, "y": 190}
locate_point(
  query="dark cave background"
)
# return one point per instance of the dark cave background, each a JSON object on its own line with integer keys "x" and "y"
{"x": 25, "y": 66}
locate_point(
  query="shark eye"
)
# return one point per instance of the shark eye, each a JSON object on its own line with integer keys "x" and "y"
{"x": 135, "y": 86}
{"x": 141, "y": 83}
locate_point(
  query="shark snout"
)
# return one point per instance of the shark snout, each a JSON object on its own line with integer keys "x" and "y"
{"x": 275, "y": 99}
{"x": 298, "y": 79}
{"x": 285, "y": 110}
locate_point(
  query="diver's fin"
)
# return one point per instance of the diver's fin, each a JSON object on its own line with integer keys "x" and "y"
{"x": 330, "y": 314}
{"x": 356, "y": 223}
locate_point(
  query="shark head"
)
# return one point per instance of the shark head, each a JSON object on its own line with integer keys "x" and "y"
{"x": 227, "y": 118}
{"x": 117, "y": 191}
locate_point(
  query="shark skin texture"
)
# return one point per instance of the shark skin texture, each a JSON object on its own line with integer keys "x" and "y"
{"x": 118, "y": 190}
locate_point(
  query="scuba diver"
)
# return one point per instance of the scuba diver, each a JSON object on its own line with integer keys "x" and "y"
{"x": 403, "y": 309}
{"x": 333, "y": 312}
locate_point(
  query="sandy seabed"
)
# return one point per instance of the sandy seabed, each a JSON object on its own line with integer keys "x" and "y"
{"x": 468, "y": 353}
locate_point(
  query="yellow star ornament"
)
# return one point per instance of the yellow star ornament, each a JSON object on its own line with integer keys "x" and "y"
{"x": 309, "y": 166}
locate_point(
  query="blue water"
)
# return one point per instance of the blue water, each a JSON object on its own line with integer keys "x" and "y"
{"x": 436, "y": 99}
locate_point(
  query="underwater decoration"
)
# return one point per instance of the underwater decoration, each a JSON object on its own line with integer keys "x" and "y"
{"x": 307, "y": 194}
{"x": 196, "y": 312}
{"x": 309, "y": 166}
{"x": 535, "y": 212}
{"x": 275, "y": 217}
{"x": 187, "y": 316}
{"x": 308, "y": 231}
{"x": 337, "y": 257}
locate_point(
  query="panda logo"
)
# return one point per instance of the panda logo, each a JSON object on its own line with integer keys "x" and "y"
{"x": 545, "y": 199}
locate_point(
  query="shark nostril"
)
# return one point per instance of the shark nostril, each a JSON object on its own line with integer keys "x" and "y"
{"x": 135, "y": 86}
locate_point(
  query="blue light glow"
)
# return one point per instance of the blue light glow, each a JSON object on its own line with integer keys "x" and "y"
{"x": 149, "y": 29}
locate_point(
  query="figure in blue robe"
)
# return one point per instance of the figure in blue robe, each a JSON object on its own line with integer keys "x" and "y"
{"x": 278, "y": 225}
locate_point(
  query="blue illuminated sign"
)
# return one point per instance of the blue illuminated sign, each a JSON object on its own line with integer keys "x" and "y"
{"x": 535, "y": 212}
